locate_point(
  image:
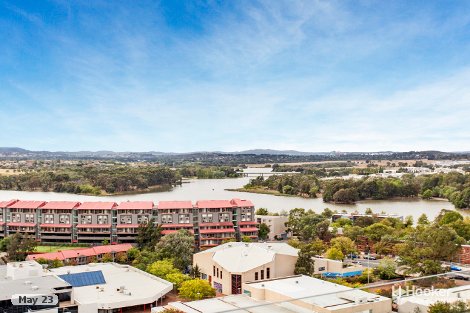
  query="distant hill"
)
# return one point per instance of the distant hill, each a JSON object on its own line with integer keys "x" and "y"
{"x": 275, "y": 152}
{"x": 12, "y": 150}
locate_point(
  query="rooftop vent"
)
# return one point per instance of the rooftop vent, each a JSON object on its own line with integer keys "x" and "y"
{"x": 34, "y": 287}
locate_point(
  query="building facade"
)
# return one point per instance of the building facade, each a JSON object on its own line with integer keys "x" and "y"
{"x": 276, "y": 224}
{"x": 211, "y": 221}
{"x": 228, "y": 266}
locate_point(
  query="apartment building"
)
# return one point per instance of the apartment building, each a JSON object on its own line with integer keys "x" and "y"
{"x": 56, "y": 219}
{"x": 211, "y": 221}
{"x": 130, "y": 215}
{"x": 95, "y": 221}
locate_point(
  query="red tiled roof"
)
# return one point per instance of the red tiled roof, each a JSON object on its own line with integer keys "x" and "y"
{"x": 217, "y": 224}
{"x": 21, "y": 224}
{"x": 217, "y": 231}
{"x": 176, "y": 225}
{"x": 61, "y": 205}
{"x": 47, "y": 256}
{"x": 127, "y": 226}
{"x": 241, "y": 202}
{"x": 174, "y": 205}
{"x": 27, "y": 204}
{"x": 136, "y": 205}
{"x": 4, "y": 204}
{"x": 112, "y": 248}
{"x": 248, "y": 223}
{"x": 213, "y": 204}
{"x": 94, "y": 226}
{"x": 56, "y": 225}
{"x": 73, "y": 253}
{"x": 97, "y": 205}
{"x": 248, "y": 230}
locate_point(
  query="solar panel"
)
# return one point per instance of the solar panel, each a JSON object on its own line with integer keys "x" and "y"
{"x": 84, "y": 279}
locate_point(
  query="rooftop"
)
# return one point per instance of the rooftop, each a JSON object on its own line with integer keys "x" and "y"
{"x": 67, "y": 205}
{"x": 97, "y": 205}
{"x": 136, "y": 205}
{"x": 175, "y": 205}
{"x": 239, "y": 257}
{"x": 125, "y": 285}
{"x": 316, "y": 292}
{"x": 36, "y": 285}
{"x": 214, "y": 204}
{"x": 27, "y": 204}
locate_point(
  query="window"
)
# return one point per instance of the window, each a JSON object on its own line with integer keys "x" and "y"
{"x": 184, "y": 218}
{"x": 1, "y": 217}
{"x": 64, "y": 219}
{"x": 167, "y": 219}
{"x": 16, "y": 217}
{"x": 256, "y": 275}
{"x": 220, "y": 274}
{"x": 213, "y": 270}
{"x": 217, "y": 272}
{"x": 29, "y": 218}
{"x": 86, "y": 219}
{"x": 262, "y": 274}
{"x": 102, "y": 219}
{"x": 268, "y": 273}
{"x": 225, "y": 217}
{"x": 125, "y": 219}
{"x": 142, "y": 219}
{"x": 49, "y": 219}
{"x": 207, "y": 218}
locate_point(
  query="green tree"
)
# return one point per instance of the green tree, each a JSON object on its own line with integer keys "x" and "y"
{"x": 427, "y": 194}
{"x": 334, "y": 254}
{"x": 386, "y": 268}
{"x": 148, "y": 235}
{"x": 162, "y": 268}
{"x": 56, "y": 263}
{"x": 263, "y": 231}
{"x": 344, "y": 244}
{"x": 446, "y": 307}
{"x": 423, "y": 219}
{"x": 196, "y": 289}
{"x": 305, "y": 262}
{"x": 19, "y": 245}
{"x": 107, "y": 257}
{"x": 262, "y": 211}
{"x": 177, "y": 279}
{"x": 246, "y": 239}
{"x": 178, "y": 246}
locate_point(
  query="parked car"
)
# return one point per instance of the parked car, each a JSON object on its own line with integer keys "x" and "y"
{"x": 353, "y": 256}
{"x": 370, "y": 257}
{"x": 455, "y": 268}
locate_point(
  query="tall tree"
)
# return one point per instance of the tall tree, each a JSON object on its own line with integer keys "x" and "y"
{"x": 19, "y": 245}
{"x": 305, "y": 262}
{"x": 178, "y": 246}
{"x": 148, "y": 234}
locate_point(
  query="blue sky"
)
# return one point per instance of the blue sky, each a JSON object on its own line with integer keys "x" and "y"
{"x": 233, "y": 75}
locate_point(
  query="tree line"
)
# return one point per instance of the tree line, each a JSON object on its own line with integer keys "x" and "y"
{"x": 452, "y": 186}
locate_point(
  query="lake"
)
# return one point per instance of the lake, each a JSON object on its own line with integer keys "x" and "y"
{"x": 200, "y": 189}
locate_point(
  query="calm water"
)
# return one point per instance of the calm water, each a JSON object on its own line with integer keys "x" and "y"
{"x": 200, "y": 189}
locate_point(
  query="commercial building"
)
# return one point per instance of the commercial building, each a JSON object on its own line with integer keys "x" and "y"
{"x": 301, "y": 294}
{"x": 334, "y": 268}
{"x": 82, "y": 255}
{"x": 211, "y": 221}
{"x": 276, "y": 224}
{"x": 230, "y": 265}
{"x": 92, "y": 288}
{"x": 421, "y": 300}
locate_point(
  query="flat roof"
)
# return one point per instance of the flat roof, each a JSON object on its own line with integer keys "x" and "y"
{"x": 139, "y": 286}
{"x": 236, "y": 304}
{"x": 239, "y": 257}
{"x": 316, "y": 292}
{"x": 30, "y": 285}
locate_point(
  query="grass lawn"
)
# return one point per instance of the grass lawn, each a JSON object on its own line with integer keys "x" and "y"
{"x": 42, "y": 249}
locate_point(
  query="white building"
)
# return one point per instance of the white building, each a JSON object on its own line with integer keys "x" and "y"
{"x": 228, "y": 266}
{"x": 302, "y": 294}
{"x": 92, "y": 288}
{"x": 423, "y": 299}
{"x": 276, "y": 224}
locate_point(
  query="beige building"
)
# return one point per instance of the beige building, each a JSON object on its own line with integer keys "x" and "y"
{"x": 299, "y": 294}
{"x": 276, "y": 224}
{"x": 230, "y": 265}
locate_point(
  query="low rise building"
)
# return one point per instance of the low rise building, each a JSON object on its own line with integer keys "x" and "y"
{"x": 92, "y": 288}
{"x": 301, "y": 294}
{"x": 276, "y": 224}
{"x": 82, "y": 255}
{"x": 229, "y": 265}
